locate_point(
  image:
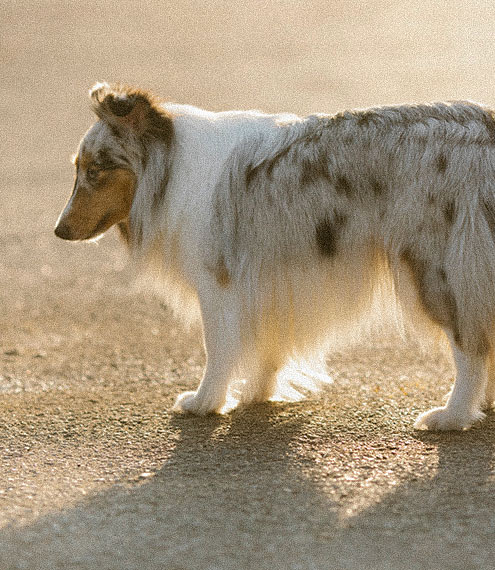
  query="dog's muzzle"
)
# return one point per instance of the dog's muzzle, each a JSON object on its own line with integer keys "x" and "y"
{"x": 64, "y": 232}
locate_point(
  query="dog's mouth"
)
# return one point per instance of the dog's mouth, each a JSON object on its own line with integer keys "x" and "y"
{"x": 101, "y": 227}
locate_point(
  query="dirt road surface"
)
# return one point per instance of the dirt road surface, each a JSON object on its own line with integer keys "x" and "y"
{"x": 95, "y": 472}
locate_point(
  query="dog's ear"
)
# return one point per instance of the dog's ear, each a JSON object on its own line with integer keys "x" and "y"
{"x": 131, "y": 110}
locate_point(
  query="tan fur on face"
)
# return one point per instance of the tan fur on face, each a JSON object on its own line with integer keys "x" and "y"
{"x": 101, "y": 198}
{"x": 222, "y": 273}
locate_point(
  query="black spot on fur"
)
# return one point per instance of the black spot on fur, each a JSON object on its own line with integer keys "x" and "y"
{"x": 377, "y": 188}
{"x": 313, "y": 170}
{"x": 343, "y": 186}
{"x": 326, "y": 238}
{"x": 449, "y": 212}
{"x": 442, "y": 163}
{"x": 435, "y": 295}
{"x": 327, "y": 234}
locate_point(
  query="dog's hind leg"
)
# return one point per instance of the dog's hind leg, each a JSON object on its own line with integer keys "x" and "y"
{"x": 222, "y": 346}
{"x": 448, "y": 306}
{"x": 466, "y": 399}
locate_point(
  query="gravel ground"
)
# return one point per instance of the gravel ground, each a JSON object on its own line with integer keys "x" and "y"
{"x": 96, "y": 473}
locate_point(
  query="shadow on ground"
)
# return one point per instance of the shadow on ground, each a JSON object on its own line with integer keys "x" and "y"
{"x": 239, "y": 491}
{"x": 446, "y": 520}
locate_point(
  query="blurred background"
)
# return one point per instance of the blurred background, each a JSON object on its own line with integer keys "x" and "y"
{"x": 293, "y": 55}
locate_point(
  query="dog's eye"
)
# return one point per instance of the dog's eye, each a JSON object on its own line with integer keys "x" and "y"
{"x": 92, "y": 172}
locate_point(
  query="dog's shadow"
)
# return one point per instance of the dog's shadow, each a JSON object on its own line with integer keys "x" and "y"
{"x": 237, "y": 492}
{"x": 249, "y": 452}
{"x": 440, "y": 519}
{"x": 232, "y": 484}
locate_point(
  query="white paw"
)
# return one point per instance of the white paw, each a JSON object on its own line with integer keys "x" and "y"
{"x": 446, "y": 419}
{"x": 192, "y": 403}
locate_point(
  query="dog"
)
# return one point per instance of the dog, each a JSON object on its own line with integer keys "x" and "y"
{"x": 282, "y": 233}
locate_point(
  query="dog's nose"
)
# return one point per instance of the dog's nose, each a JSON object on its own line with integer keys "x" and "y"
{"x": 62, "y": 231}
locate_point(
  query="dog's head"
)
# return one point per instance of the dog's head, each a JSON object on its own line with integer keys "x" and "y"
{"x": 110, "y": 158}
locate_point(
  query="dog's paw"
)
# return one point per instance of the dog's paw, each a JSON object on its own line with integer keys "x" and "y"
{"x": 191, "y": 403}
{"x": 444, "y": 419}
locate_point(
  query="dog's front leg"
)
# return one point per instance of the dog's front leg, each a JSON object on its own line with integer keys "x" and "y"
{"x": 221, "y": 339}
{"x": 466, "y": 399}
